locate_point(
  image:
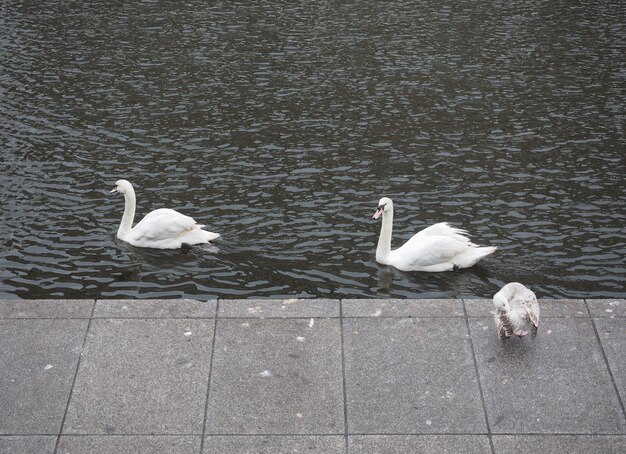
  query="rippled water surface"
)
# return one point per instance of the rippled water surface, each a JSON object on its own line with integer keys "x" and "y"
{"x": 280, "y": 124}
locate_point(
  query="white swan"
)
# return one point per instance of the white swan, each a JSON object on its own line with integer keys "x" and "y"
{"x": 516, "y": 308}
{"x": 436, "y": 248}
{"x": 160, "y": 229}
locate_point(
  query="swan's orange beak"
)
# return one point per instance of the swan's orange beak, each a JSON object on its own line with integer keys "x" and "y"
{"x": 379, "y": 213}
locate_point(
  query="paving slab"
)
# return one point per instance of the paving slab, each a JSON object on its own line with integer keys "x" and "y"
{"x": 276, "y": 376}
{"x": 27, "y": 444}
{"x": 403, "y": 444}
{"x": 287, "y": 308}
{"x": 277, "y": 381}
{"x": 135, "y": 444}
{"x": 38, "y": 359}
{"x": 181, "y": 308}
{"x": 411, "y": 376}
{"x": 478, "y": 307}
{"x": 562, "y": 308}
{"x": 548, "y": 307}
{"x": 607, "y": 307}
{"x": 557, "y": 384}
{"x": 612, "y": 333}
{"x": 266, "y": 444}
{"x": 142, "y": 377}
{"x": 402, "y": 308}
{"x": 46, "y": 308}
{"x": 560, "y": 444}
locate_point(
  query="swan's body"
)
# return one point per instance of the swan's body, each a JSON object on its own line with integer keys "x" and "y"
{"x": 439, "y": 247}
{"x": 160, "y": 229}
{"x": 516, "y": 312}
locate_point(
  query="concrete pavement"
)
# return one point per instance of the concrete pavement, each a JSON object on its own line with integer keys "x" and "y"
{"x": 316, "y": 376}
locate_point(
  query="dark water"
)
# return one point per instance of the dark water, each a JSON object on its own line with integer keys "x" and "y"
{"x": 281, "y": 124}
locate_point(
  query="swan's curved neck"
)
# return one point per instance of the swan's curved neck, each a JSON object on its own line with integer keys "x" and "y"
{"x": 384, "y": 240}
{"x": 129, "y": 214}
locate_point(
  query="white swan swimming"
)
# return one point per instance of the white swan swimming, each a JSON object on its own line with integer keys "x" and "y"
{"x": 436, "y": 248}
{"x": 160, "y": 229}
{"x": 516, "y": 308}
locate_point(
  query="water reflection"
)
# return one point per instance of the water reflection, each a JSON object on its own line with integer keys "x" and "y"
{"x": 438, "y": 285}
{"x": 281, "y": 124}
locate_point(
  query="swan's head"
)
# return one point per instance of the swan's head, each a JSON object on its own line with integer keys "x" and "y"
{"x": 384, "y": 205}
{"x": 122, "y": 186}
{"x": 500, "y": 302}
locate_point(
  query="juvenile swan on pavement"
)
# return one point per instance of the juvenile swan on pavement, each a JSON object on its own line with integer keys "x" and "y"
{"x": 160, "y": 229}
{"x": 516, "y": 312}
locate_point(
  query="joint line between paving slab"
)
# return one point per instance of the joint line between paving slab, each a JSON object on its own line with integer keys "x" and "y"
{"x": 606, "y": 360}
{"x": 208, "y": 386}
{"x": 480, "y": 386}
{"x": 354, "y": 434}
{"x": 80, "y": 357}
{"x": 154, "y": 318}
{"x": 343, "y": 374}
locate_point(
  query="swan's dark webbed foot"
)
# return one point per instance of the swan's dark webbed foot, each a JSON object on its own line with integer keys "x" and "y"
{"x": 185, "y": 246}
{"x": 455, "y": 268}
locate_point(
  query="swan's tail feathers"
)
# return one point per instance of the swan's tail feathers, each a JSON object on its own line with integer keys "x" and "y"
{"x": 198, "y": 236}
{"x": 486, "y": 250}
{"x": 212, "y": 235}
{"x": 473, "y": 255}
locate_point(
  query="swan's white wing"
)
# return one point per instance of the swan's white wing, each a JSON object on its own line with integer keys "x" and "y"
{"x": 164, "y": 213}
{"x": 427, "y": 251}
{"x": 440, "y": 229}
{"x": 161, "y": 224}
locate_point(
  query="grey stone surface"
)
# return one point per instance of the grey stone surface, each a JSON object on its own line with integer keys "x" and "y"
{"x": 404, "y": 444}
{"x": 557, "y": 384}
{"x": 142, "y": 377}
{"x": 277, "y": 382}
{"x": 548, "y": 307}
{"x": 32, "y": 444}
{"x": 38, "y": 360}
{"x": 294, "y": 307}
{"x": 607, "y": 308}
{"x": 402, "y": 308}
{"x": 46, "y": 308}
{"x": 612, "y": 333}
{"x": 180, "y": 308}
{"x": 412, "y": 376}
{"x": 131, "y": 444}
{"x": 266, "y": 444}
{"x": 478, "y": 307}
{"x": 560, "y": 444}
{"x": 563, "y": 308}
{"x": 276, "y": 377}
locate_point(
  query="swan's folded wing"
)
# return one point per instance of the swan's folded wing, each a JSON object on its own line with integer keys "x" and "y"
{"x": 430, "y": 251}
{"x": 532, "y": 309}
{"x": 440, "y": 229}
{"x": 162, "y": 224}
{"x": 505, "y": 327}
{"x": 165, "y": 213}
